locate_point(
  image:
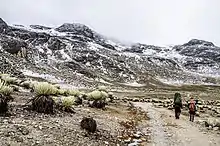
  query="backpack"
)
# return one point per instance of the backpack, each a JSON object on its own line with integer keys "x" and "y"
{"x": 178, "y": 101}
{"x": 192, "y": 106}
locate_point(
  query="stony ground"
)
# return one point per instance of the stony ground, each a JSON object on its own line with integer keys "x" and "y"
{"x": 120, "y": 123}
{"x": 123, "y": 122}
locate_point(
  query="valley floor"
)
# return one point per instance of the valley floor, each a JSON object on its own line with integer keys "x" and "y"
{"x": 157, "y": 126}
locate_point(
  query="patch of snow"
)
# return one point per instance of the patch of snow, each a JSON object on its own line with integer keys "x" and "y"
{"x": 65, "y": 55}
{"x": 149, "y": 52}
{"x": 134, "y": 84}
{"x": 117, "y": 47}
{"x": 172, "y": 82}
{"x": 94, "y": 46}
{"x": 181, "y": 82}
{"x": 103, "y": 81}
{"x": 52, "y": 32}
{"x": 88, "y": 64}
{"x": 129, "y": 54}
{"x": 44, "y": 76}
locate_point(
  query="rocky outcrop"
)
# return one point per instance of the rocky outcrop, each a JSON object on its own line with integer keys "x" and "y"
{"x": 76, "y": 52}
{"x": 140, "y": 48}
{"x": 199, "y": 53}
{"x": 3, "y": 25}
{"x": 12, "y": 45}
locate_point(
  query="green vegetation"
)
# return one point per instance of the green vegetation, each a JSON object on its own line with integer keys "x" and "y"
{"x": 44, "y": 89}
{"x": 43, "y": 102}
{"x": 5, "y": 92}
{"x": 9, "y": 80}
{"x": 4, "y": 89}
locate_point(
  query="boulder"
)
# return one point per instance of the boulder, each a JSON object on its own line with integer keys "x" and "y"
{"x": 88, "y": 124}
{"x": 213, "y": 122}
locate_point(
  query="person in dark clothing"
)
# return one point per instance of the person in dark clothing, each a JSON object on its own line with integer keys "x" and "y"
{"x": 192, "y": 109}
{"x": 177, "y": 105}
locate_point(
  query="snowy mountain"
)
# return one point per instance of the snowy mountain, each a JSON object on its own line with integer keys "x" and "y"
{"x": 75, "y": 53}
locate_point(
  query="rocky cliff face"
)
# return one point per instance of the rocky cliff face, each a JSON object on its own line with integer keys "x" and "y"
{"x": 77, "y": 54}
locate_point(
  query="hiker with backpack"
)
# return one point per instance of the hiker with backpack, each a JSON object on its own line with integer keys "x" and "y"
{"x": 177, "y": 105}
{"x": 192, "y": 109}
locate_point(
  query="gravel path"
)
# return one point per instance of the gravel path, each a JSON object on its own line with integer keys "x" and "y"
{"x": 166, "y": 130}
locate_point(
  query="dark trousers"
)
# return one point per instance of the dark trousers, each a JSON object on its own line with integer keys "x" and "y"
{"x": 191, "y": 115}
{"x": 177, "y": 112}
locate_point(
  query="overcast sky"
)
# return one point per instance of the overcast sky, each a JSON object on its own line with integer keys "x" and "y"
{"x": 158, "y": 22}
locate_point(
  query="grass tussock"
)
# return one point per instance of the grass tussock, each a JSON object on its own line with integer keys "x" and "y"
{"x": 5, "y": 92}
{"x": 9, "y": 80}
{"x": 45, "y": 89}
{"x": 5, "y": 89}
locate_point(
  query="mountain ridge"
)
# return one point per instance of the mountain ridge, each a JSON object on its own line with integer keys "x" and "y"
{"x": 75, "y": 53}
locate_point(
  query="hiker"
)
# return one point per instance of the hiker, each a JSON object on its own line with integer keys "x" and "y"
{"x": 177, "y": 105}
{"x": 192, "y": 109}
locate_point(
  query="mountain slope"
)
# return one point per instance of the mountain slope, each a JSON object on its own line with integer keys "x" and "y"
{"x": 77, "y": 54}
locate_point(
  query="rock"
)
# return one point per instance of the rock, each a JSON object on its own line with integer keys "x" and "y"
{"x": 88, "y": 124}
{"x": 137, "y": 140}
{"x": 107, "y": 143}
{"x": 215, "y": 128}
{"x": 155, "y": 100}
{"x": 22, "y": 129}
{"x": 3, "y": 25}
{"x": 209, "y": 107}
{"x": 212, "y": 122}
{"x": 169, "y": 135}
{"x": 56, "y": 44}
{"x": 78, "y": 101}
{"x": 76, "y": 28}
{"x": 40, "y": 127}
{"x": 170, "y": 108}
{"x": 165, "y": 105}
{"x": 199, "y": 121}
{"x": 127, "y": 140}
{"x": 210, "y": 128}
{"x": 136, "y": 135}
{"x": 133, "y": 144}
{"x": 135, "y": 99}
{"x": 197, "y": 114}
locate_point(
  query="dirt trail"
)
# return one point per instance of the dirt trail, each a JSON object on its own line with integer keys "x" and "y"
{"x": 167, "y": 131}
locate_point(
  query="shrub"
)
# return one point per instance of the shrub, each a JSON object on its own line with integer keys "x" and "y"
{"x": 5, "y": 92}
{"x": 94, "y": 95}
{"x": 8, "y": 79}
{"x": 104, "y": 95}
{"x": 34, "y": 83}
{"x": 45, "y": 89}
{"x": 61, "y": 92}
{"x": 72, "y": 92}
{"x": 102, "y": 88}
{"x": 56, "y": 86}
{"x": 43, "y": 101}
{"x": 68, "y": 101}
{"x": 4, "y": 89}
{"x": 97, "y": 95}
{"x": 65, "y": 103}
